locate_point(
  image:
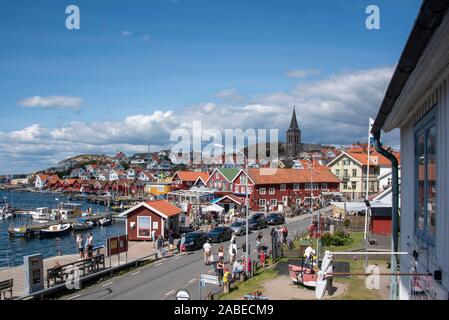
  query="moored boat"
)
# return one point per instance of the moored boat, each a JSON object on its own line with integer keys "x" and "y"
{"x": 82, "y": 224}
{"x": 55, "y": 230}
{"x": 105, "y": 221}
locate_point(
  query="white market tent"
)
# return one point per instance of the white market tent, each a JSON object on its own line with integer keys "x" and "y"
{"x": 213, "y": 208}
{"x": 359, "y": 206}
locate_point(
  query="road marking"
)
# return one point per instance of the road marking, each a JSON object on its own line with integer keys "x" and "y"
{"x": 133, "y": 274}
{"x": 169, "y": 293}
{"x": 190, "y": 281}
{"x": 74, "y": 297}
{"x": 107, "y": 284}
{"x": 158, "y": 264}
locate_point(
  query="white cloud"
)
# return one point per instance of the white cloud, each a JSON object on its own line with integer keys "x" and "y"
{"x": 302, "y": 73}
{"x": 229, "y": 95}
{"x": 126, "y": 33}
{"x": 146, "y": 37}
{"x": 52, "y": 102}
{"x": 334, "y": 110}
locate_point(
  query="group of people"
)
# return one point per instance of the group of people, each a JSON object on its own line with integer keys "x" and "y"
{"x": 282, "y": 233}
{"x": 85, "y": 245}
{"x": 159, "y": 242}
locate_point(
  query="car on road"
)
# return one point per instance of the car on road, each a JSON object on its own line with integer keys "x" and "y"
{"x": 220, "y": 234}
{"x": 275, "y": 219}
{"x": 239, "y": 227}
{"x": 257, "y": 221}
{"x": 194, "y": 240}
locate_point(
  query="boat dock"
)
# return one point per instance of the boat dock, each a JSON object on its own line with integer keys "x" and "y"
{"x": 30, "y": 231}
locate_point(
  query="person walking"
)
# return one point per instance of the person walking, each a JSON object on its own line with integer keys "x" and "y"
{"x": 182, "y": 244}
{"x": 160, "y": 245}
{"x": 171, "y": 242}
{"x": 207, "y": 252}
{"x": 90, "y": 246}
{"x": 221, "y": 253}
{"x": 284, "y": 234}
{"x": 153, "y": 237}
{"x": 80, "y": 245}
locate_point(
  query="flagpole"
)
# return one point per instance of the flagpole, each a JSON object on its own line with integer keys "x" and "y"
{"x": 367, "y": 176}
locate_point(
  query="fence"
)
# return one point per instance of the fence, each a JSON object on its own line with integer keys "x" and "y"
{"x": 6, "y": 259}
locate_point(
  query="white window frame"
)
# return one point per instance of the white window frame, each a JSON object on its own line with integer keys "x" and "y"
{"x": 137, "y": 226}
{"x": 262, "y": 203}
{"x": 273, "y": 202}
{"x": 324, "y": 186}
{"x": 262, "y": 191}
{"x": 296, "y": 187}
{"x": 283, "y": 187}
{"x": 272, "y": 191}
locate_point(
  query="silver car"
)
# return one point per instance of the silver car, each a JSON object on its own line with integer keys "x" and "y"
{"x": 239, "y": 227}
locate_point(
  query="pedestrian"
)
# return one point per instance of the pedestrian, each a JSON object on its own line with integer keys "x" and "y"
{"x": 90, "y": 246}
{"x": 207, "y": 252}
{"x": 232, "y": 253}
{"x": 257, "y": 244}
{"x": 80, "y": 245}
{"x": 221, "y": 253}
{"x": 153, "y": 237}
{"x": 160, "y": 245}
{"x": 220, "y": 267}
{"x": 284, "y": 233}
{"x": 171, "y": 241}
{"x": 182, "y": 243}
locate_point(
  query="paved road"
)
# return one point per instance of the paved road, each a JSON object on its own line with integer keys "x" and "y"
{"x": 161, "y": 280}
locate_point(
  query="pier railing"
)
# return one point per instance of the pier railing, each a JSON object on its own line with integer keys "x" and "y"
{"x": 6, "y": 259}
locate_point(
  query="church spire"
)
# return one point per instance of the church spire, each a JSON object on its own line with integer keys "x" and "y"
{"x": 294, "y": 122}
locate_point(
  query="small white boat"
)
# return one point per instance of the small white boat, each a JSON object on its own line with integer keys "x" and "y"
{"x": 5, "y": 216}
{"x": 56, "y": 230}
{"x": 105, "y": 221}
{"x": 40, "y": 213}
{"x": 81, "y": 225}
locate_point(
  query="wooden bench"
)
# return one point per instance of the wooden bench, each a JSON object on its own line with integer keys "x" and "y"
{"x": 61, "y": 273}
{"x": 5, "y": 286}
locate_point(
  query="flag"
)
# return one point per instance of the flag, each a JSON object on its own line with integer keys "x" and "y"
{"x": 370, "y": 135}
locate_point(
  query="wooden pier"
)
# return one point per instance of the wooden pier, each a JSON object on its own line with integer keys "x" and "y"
{"x": 32, "y": 230}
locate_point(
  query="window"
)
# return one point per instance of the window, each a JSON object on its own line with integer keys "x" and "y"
{"x": 262, "y": 191}
{"x": 353, "y": 185}
{"x": 316, "y": 186}
{"x": 354, "y": 172}
{"x": 273, "y": 202}
{"x": 237, "y": 189}
{"x": 323, "y": 186}
{"x": 243, "y": 190}
{"x": 345, "y": 185}
{"x": 143, "y": 227}
{"x": 307, "y": 186}
{"x": 298, "y": 202}
{"x": 337, "y": 172}
{"x": 262, "y": 202}
{"x": 296, "y": 187}
{"x": 283, "y": 187}
{"x": 345, "y": 172}
{"x": 271, "y": 191}
{"x": 250, "y": 190}
{"x": 285, "y": 200}
{"x": 425, "y": 176}
{"x": 243, "y": 180}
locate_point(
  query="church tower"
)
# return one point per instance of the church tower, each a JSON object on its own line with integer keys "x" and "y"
{"x": 293, "y": 137}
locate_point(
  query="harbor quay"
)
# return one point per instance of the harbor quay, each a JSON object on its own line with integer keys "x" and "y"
{"x": 136, "y": 251}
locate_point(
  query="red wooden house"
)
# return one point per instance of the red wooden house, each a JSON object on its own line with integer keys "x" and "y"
{"x": 186, "y": 179}
{"x": 159, "y": 215}
{"x": 289, "y": 186}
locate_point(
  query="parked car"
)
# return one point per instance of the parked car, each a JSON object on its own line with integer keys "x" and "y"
{"x": 275, "y": 219}
{"x": 220, "y": 234}
{"x": 257, "y": 221}
{"x": 239, "y": 227}
{"x": 194, "y": 240}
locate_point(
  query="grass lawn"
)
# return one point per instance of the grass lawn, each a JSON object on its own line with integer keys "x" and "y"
{"x": 249, "y": 286}
{"x": 356, "y": 289}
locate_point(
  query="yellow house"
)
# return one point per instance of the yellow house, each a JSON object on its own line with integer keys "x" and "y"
{"x": 351, "y": 167}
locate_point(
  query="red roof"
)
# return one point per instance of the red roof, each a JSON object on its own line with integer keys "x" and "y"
{"x": 278, "y": 176}
{"x": 191, "y": 175}
{"x": 375, "y": 158}
{"x": 164, "y": 207}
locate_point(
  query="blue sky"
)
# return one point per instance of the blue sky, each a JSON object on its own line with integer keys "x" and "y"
{"x": 134, "y": 58}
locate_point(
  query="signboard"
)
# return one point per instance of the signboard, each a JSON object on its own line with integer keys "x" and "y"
{"x": 205, "y": 278}
{"x": 117, "y": 245}
{"x": 34, "y": 273}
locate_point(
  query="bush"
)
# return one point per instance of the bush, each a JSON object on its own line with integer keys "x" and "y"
{"x": 338, "y": 239}
{"x": 346, "y": 223}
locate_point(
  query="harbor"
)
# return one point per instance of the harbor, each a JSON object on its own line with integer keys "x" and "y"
{"x": 14, "y": 248}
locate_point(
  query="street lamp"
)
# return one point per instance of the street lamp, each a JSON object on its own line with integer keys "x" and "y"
{"x": 246, "y": 207}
